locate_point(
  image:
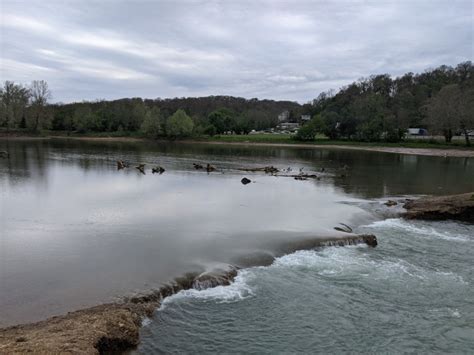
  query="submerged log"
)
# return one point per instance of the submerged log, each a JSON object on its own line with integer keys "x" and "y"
{"x": 457, "y": 207}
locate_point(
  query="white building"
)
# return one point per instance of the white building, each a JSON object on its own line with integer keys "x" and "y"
{"x": 284, "y": 116}
{"x": 305, "y": 118}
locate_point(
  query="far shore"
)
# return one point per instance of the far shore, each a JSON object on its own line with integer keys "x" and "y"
{"x": 424, "y": 149}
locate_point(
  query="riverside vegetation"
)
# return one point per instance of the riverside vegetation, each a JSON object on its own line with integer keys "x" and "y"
{"x": 375, "y": 109}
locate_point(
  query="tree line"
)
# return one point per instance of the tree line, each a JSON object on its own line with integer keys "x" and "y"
{"x": 199, "y": 116}
{"x": 377, "y": 108}
{"x": 380, "y": 108}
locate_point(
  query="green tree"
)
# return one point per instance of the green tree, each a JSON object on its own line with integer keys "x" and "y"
{"x": 13, "y": 104}
{"x": 179, "y": 125}
{"x": 223, "y": 119}
{"x": 151, "y": 126}
{"x": 310, "y": 129}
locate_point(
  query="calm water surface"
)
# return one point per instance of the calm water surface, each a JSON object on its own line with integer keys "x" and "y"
{"x": 76, "y": 232}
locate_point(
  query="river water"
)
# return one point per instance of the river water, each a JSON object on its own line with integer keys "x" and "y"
{"x": 76, "y": 232}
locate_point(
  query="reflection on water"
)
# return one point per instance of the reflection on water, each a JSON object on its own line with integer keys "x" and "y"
{"x": 76, "y": 232}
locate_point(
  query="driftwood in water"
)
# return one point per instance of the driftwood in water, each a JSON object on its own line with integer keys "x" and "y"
{"x": 158, "y": 170}
{"x": 345, "y": 228}
{"x": 141, "y": 168}
{"x": 121, "y": 164}
{"x": 265, "y": 169}
{"x": 301, "y": 176}
{"x": 458, "y": 207}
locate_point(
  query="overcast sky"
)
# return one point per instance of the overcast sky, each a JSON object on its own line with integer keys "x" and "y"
{"x": 90, "y": 50}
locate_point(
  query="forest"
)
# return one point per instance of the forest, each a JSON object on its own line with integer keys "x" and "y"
{"x": 377, "y": 108}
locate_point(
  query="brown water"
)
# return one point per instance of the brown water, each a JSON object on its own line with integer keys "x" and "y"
{"x": 75, "y": 232}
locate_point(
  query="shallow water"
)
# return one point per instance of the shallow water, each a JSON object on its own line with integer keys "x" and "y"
{"x": 76, "y": 232}
{"x": 412, "y": 294}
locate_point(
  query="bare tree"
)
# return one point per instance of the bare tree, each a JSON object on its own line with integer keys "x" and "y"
{"x": 466, "y": 112}
{"x": 39, "y": 113}
{"x": 442, "y": 111}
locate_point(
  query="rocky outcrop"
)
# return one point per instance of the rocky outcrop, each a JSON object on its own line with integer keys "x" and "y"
{"x": 104, "y": 329}
{"x": 97, "y": 330}
{"x": 457, "y": 207}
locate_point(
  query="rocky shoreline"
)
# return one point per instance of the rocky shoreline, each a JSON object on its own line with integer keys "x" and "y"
{"x": 115, "y": 327}
{"x": 457, "y": 207}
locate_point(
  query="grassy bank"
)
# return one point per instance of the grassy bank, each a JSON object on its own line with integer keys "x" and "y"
{"x": 321, "y": 140}
{"x": 433, "y": 143}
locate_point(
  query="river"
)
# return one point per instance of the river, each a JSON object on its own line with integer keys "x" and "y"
{"x": 75, "y": 232}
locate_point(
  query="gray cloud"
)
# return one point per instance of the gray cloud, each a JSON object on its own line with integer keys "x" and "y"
{"x": 265, "y": 49}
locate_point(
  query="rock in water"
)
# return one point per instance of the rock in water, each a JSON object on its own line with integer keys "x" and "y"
{"x": 245, "y": 181}
{"x": 458, "y": 207}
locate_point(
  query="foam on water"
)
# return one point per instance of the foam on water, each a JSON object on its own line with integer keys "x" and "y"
{"x": 238, "y": 290}
{"x": 414, "y": 291}
{"x": 423, "y": 229}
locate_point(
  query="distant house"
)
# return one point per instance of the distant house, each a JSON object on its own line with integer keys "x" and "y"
{"x": 284, "y": 116}
{"x": 305, "y": 118}
{"x": 417, "y": 132}
{"x": 288, "y": 126}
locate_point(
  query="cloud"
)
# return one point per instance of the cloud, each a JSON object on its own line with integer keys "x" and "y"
{"x": 267, "y": 49}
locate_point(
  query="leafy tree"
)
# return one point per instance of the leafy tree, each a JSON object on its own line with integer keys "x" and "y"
{"x": 309, "y": 130}
{"x": 151, "y": 125}
{"x": 223, "y": 119}
{"x": 85, "y": 120}
{"x": 13, "y": 103}
{"x": 179, "y": 125}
